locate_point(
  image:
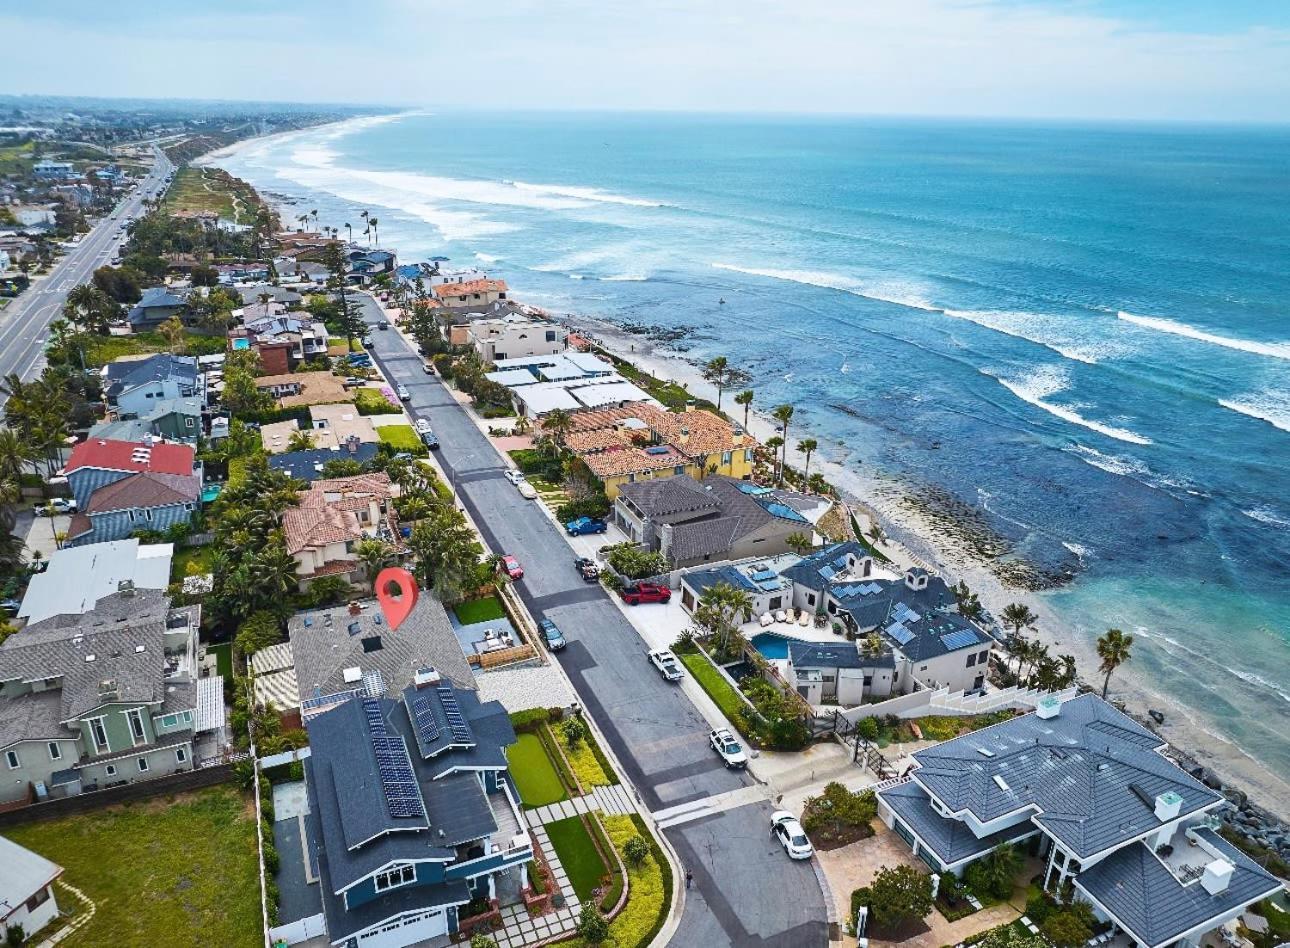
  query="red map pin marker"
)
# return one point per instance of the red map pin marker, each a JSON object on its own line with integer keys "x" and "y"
{"x": 397, "y": 606}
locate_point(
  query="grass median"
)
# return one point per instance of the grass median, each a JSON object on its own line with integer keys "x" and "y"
{"x": 719, "y": 690}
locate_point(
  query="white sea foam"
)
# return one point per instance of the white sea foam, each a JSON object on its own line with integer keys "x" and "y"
{"x": 1051, "y": 332}
{"x": 1275, "y": 350}
{"x": 583, "y": 194}
{"x": 1268, "y": 515}
{"x": 486, "y": 257}
{"x": 1272, "y": 406}
{"x": 1035, "y": 387}
{"x": 625, "y": 278}
{"x": 900, "y": 294}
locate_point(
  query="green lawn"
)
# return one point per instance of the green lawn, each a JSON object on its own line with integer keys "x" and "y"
{"x": 479, "y": 610}
{"x": 718, "y": 689}
{"x": 199, "y": 556}
{"x": 533, "y": 772}
{"x": 223, "y": 653}
{"x": 578, "y": 855}
{"x": 172, "y": 871}
{"x": 401, "y": 438}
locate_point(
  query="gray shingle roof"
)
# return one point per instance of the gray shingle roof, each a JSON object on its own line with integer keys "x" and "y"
{"x": 835, "y": 655}
{"x": 816, "y": 569}
{"x": 33, "y": 717}
{"x": 951, "y": 840}
{"x": 324, "y": 647}
{"x": 132, "y": 372}
{"x": 705, "y": 538}
{"x": 1076, "y": 770}
{"x": 1146, "y": 897}
{"x": 664, "y": 496}
{"x": 302, "y": 464}
{"x": 937, "y": 634}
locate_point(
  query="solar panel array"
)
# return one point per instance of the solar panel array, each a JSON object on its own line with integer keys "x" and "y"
{"x": 375, "y": 720}
{"x": 402, "y": 795}
{"x": 903, "y": 614}
{"x": 318, "y": 701}
{"x": 427, "y": 726}
{"x": 959, "y": 638}
{"x": 374, "y": 683}
{"x": 899, "y": 633}
{"x": 456, "y": 720}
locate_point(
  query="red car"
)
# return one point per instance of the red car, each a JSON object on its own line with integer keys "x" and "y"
{"x": 512, "y": 567}
{"x": 644, "y": 592}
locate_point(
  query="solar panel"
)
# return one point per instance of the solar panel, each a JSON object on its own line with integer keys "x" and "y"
{"x": 317, "y": 701}
{"x": 373, "y": 683}
{"x": 402, "y": 795}
{"x": 899, "y": 633}
{"x": 768, "y": 585}
{"x": 427, "y": 726}
{"x": 375, "y": 720}
{"x": 959, "y": 638}
{"x": 827, "y": 572}
{"x": 456, "y": 720}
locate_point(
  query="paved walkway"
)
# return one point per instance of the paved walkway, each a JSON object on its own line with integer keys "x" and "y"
{"x": 612, "y": 801}
{"x": 519, "y": 928}
{"x": 76, "y": 923}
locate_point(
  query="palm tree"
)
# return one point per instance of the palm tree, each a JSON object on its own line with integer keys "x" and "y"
{"x": 799, "y": 543}
{"x": 807, "y": 446}
{"x": 15, "y": 454}
{"x": 375, "y": 554}
{"x": 745, "y": 398}
{"x": 413, "y": 507}
{"x": 1018, "y": 616}
{"x": 773, "y": 444}
{"x": 372, "y": 222}
{"x": 875, "y": 532}
{"x": 349, "y": 233}
{"x": 446, "y": 551}
{"x": 783, "y": 414}
{"x": 300, "y": 441}
{"x": 314, "y": 215}
{"x": 722, "y": 608}
{"x": 715, "y": 372}
{"x": 817, "y": 484}
{"x": 1114, "y": 649}
{"x": 558, "y": 424}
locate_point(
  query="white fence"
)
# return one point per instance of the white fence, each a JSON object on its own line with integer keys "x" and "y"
{"x": 302, "y": 930}
{"x": 941, "y": 702}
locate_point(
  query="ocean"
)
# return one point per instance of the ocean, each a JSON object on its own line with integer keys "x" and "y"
{"x": 1072, "y": 341}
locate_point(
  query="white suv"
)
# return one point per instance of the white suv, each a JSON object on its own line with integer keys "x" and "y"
{"x": 790, "y": 834}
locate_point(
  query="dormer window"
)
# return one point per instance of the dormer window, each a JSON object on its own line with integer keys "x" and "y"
{"x": 395, "y": 877}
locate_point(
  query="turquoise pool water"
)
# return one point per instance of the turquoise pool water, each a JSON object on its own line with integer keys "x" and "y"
{"x": 770, "y": 645}
{"x": 210, "y": 492}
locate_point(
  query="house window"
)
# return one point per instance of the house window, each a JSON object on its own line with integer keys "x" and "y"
{"x": 55, "y": 752}
{"x": 971, "y": 660}
{"x": 828, "y": 678}
{"x": 135, "y": 717}
{"x": 148, "y": 513}
{"x": 810, "y": 599}
{"x": 393, "y": 878}
{"x": 678, "y": 470}
{"x": 11, "y": 758}
{"x": 188, "y": 422}
{"x": 868, "y": 680}
{"x": 37, "y": 900}
{"x": 110, "y": 770}
{"x": 550, "y": 335}
{"x": 99, "y": 733}
{"x": 143, "y": 765}
{"x": 983, "y": 656}
{"x": 725, "y": 457}
{"x": 181, "y": 754}
{"x": 170, "y": 720}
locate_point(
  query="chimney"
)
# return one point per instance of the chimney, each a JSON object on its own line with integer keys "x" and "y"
{"x": 355, "y": 609}
{"x": 1168, "y": 806}
{"x": 125, "y": 587}
{"x": 425, "y": 677}
{"x": 689, "y": 404}
{"x": 1049, "y": 707}
{"x": 1218, "y": 874}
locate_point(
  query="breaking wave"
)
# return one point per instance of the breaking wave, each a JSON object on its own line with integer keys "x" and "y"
{"x": 1275, "y": 350}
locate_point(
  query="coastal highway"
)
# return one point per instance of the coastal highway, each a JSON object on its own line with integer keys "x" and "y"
{"x": 25, "y": 321}
{"x": 746, "y": 891}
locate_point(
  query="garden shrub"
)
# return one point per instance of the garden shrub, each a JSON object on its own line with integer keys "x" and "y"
{"x": 595, "y": 506}
{"x": 592, "y": 927}
{"x": 868, "y": 728}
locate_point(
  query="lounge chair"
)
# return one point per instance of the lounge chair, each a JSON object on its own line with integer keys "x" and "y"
{"x": 779, "y": 616}
{"x": 766, "y": 619}
{"x": 804, "y": 618}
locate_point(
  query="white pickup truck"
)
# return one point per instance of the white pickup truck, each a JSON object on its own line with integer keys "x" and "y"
{"x": 725, "y": 744}
{"x": 667, "y": 664}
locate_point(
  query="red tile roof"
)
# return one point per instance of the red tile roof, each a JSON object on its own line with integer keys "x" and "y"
{"x": 145, "y": 490}
{"x": 132, "y": 456}
{"x": 453, "y": 290}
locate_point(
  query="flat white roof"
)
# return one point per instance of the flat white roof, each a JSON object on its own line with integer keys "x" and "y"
{"x": 210, "y": 704}
{"x": 512, "y": 378}
{"x": 558, "y": 373}
{"x": 541, "y": 399}
{"x": 593, "y": 396}
{"x": 79, "y": 576}
{"x": 588, "y": 362}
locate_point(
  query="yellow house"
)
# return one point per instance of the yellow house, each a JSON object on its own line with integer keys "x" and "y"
{"x": 642, "y": 441}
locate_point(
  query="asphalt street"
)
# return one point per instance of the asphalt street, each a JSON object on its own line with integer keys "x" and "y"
{"x": 25, "y": 321}
{"x": 746, "y": 891}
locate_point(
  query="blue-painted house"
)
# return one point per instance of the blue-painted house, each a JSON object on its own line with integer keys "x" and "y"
{"x": 122, "y": 487}
{"x": 412, "y": 812}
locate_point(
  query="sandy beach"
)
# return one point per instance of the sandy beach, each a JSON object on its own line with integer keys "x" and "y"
{"x": 914, "y": 537}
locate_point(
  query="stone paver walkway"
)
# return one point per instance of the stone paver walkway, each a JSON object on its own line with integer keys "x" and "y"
{"x": 519, "y": 928}
{"x": 75, "y": 923}
{"x": 612, "y": 801}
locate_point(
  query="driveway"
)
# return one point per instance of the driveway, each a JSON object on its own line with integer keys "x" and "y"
{"x": 745, "y": 892}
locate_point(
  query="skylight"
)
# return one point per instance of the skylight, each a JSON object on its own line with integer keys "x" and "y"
{"x": 1001, "y": 784}
{"x": 985, "y": 752}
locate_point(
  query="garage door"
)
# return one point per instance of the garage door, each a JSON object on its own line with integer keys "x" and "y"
{"x": 407, "y": 930}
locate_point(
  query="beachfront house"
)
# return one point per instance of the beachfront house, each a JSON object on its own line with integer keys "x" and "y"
{"x": 469, "y": 295}
{"x": 840, "y": 673}
{"x": 1089, "y": 792}
{"x": 104, "y": 697}
{"x": 512, "y": 336}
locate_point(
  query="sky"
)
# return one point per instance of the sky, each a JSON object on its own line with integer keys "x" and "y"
{"x": 1199, "y": 60}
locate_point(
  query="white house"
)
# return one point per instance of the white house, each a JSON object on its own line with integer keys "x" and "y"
{"x": 26, "y": 889}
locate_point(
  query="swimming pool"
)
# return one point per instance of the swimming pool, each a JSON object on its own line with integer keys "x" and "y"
{"x": 770, "y": 645}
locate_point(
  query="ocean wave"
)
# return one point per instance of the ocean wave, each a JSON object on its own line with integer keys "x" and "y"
{"x": 1272, "y": 406}
{"x": 1131, "y": 468}
{"x": 1275, "y": 350}
{"x": 1042, "y": 330}
{"x": 584, "y": 194}
{"x": 1035, "y": 387}
{"x": 836, "y": 281}
{"x": 486, "y": 257}
{"x": 1265, "y": 514}
{"x": 625, "y": 278}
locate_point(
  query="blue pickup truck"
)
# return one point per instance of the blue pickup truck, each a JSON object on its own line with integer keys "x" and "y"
{"x": 585, "y": 525}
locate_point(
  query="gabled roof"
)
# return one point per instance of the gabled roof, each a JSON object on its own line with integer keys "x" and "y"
{"x": 128, "y": 373}
{"x": 159, "y": 296}
{"x": 1086, "y": 771}
{"x": 303, "y": 465}
{"x": 952, "y": 840}
{"x": 77, "y": 577}
{"x": 664, "y": 496}
{"x": 933, "y": 635}
{"x": 817, "y": 569}
{"x": 140, "y": 491}
{"x": 23, "y": 873}
{"x": 1146, "y": 897}
{"x": 133, "y": 456}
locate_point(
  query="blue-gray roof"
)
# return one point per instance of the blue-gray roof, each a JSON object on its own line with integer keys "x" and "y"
{"x": 129, "y": 373}
{"x": 702, "y": 579}
{"x": 1148, "y": 899}
{"x": 933, "y": 635}
{"x": 1085, "y": 772}
{"x": 835, "y": 655}
{"x": 817, "y": 569}
{"x": 951, "y": 840}
{"x": 304, "y": 464}
{"x": 154, "y": 297}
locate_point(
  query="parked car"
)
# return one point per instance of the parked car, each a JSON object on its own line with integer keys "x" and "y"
{"x": 587, "y": 569}
{"x": 58, "y": 505}
{"x": 790, "y": 834}
{"x": 666, "y": 663}
{"x": 366, "y": 341}
{"x": 10, "y": 606}
{"x": 422, "y": 425}
{"x": 403, "y": 393}
{"x": 728, "y": 747}
{"x": 527, "y": 490}
{"x": 635, "y": 594}
{"x": 514, "y": 476}
{"x": 353, "y": 382}
{"x": 585, "y": 525}
{"x": 429, "y": 440}
{"x": 429, "y": 368}
{"x": 511, "y": 566}
{"x": 383, "y": 324}
{"x": 554, "y": 637}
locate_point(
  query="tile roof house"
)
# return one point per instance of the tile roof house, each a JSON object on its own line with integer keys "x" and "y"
{"x": 27, "y": 900}
{"x": 1112, "y": 815}
{"x": 719, "y": 518}
{"x": 108, "y": 696}
{"x": 412, "y": 812}
{"x": 332, "y": 516}
{"x": 304, "y": 388}
{"x": 469, "y": 294}
{"x": 124, "y": 486}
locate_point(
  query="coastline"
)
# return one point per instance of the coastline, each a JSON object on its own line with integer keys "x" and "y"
{"x": 917, "y": 534}
{"x": 916, "y": 538}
